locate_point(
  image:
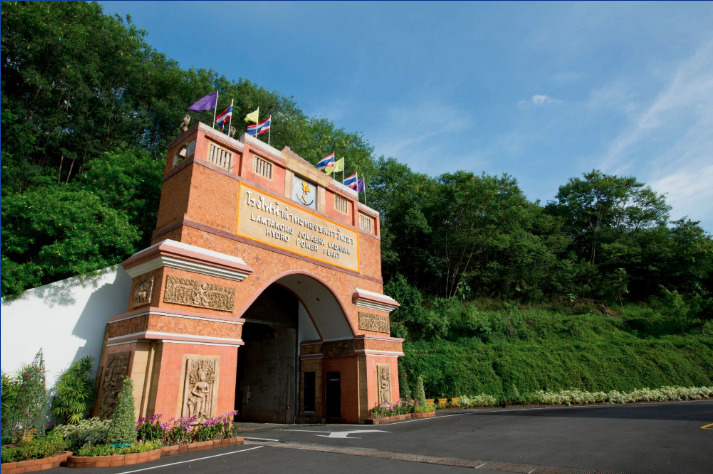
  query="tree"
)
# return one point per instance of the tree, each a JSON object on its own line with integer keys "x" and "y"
{"x": 58, "y": 232}
{"x": 128, "y": 181}
{"x": 610, "y": 221}
{"x": 600, "y": 207}
{"x": 476, "y": 217}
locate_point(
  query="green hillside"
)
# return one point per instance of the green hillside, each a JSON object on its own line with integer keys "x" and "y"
{"x": 513, "y": 352}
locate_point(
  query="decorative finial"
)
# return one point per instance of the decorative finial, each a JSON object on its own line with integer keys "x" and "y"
{"x": 186, "y": 121}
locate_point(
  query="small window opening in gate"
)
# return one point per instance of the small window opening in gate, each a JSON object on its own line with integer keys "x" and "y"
{"x": 309, "y": 391}
{"x": 340, "y": 204}
{"x": 366, "y": 223}
{"x": 220, "y": 156}
{"x": 184, "y": 151}
{"x": 262, "y": 167}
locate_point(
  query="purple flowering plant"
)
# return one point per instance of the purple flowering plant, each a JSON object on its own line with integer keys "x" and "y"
{"x": 184, "y": 430}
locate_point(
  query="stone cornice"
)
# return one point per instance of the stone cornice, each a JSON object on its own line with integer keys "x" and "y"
{"x": 172, "y": 254}
{"x": 373, "y": 300}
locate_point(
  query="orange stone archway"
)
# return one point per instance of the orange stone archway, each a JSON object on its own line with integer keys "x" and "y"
{"x": 236, "y": 218}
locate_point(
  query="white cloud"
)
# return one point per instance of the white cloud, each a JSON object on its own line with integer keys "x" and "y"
{"x": 686, "y": 189}
{"x": 406, "y": 127}
{"x": 668, "y": 143}
{"x": 539, "y": 99}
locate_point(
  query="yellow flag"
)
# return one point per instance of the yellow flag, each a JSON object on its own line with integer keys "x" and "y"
{"x": 338, "y": 165}
{"x": 253, "y": 116}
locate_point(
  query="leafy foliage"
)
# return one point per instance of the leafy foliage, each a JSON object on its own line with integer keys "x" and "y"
{"x": 59, "y": 232}
{"x": 92, "y": 431}
{"x": 74, "y": 392}
{"x": 109, "y": 450}
{"x": 10, "y": 407}
{"x": 35, "y": 448}
{"x": 123, "y": 422}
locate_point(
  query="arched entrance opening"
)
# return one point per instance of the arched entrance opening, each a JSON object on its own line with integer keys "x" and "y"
{"x": 276, "y": 382}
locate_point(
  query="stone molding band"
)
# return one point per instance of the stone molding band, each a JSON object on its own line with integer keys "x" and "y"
{"x": 165, "y": 336}
{"x": 175, "y": 314}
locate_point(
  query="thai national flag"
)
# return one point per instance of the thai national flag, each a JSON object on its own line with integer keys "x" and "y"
{"x": 326, "y": 162}
{"x": 260, "y": 128}
{"x": 224, "y": 116}
{"x": 352, "y": 181}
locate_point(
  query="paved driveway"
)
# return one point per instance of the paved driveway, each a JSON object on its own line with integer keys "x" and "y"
{"x": 670, "y": 437}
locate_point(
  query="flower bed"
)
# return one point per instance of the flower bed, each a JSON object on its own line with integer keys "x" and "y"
{"x": 201, "y": 445}
{"x": 399, "y": 411}
{"x": 113, "y": 461}
{"x": 389, "y": 419}
{"x": 147, "y": 456}
{"x": 31, "y": 465}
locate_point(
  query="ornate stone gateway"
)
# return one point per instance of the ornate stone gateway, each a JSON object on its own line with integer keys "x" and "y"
{"x": 264, "y": 277}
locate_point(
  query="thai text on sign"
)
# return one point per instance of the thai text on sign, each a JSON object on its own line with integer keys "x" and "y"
{"x": 282, "y": 224}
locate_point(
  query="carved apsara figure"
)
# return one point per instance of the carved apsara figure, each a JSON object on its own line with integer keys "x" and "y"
{"x": 384, "y": 381}
{"x": 198, "y": 396}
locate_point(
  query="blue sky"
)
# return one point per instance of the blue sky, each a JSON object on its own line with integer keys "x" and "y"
{"x": 541, "y": 91}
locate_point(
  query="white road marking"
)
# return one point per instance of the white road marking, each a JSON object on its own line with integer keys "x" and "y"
{"x": 191, "y": 460}
{"x": 338, "y": 434}
{"x": 345, "y": 434}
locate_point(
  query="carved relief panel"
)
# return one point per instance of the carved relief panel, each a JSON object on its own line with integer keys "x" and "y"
{"x": 200, "y": 294}
{"x": 142, "y": 292}
{"x": 200, "y": 389}
{"x": 383, "y": 379}
{"x": 117, "y": 366}
{"x": 374, "y": 322}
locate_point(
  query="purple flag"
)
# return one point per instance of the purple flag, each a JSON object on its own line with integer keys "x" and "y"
{"x": 360, "y": 185}
{"x": 206, "y": 103}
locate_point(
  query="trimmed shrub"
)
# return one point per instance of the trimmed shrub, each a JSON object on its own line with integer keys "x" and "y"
{"x": 420, "y": 396}
{"x": 123, "y": 422}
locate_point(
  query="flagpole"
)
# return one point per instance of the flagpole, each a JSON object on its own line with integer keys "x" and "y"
{"x": 230, "y": 122}
{"x": 268, "y": 131}
{"x": 365, "y": 203}
{"x": 215, "y": 109}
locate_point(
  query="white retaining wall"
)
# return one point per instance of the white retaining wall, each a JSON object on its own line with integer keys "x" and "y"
{"x": 66, "y": 319}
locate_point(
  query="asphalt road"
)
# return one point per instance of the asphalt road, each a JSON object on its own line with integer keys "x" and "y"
{"x": 669, "y": 437}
